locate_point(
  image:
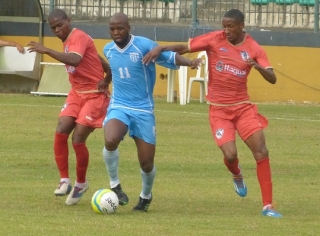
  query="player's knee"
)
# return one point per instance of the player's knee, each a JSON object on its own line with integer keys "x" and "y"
{"x": 111, "y": 144}
{"x": 230, "y": 156}
{"x": 146, "y": 166}
{"x": 261, "y": 153}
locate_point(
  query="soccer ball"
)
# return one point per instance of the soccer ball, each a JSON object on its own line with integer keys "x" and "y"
{"x": 104, "y": 201}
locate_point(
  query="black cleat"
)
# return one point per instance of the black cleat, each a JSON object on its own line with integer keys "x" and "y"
{"x": 142, "y": 205}
{"x": 123, "y": 198}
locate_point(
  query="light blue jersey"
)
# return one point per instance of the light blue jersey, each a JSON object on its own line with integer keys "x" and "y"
{"x": 132, "y": 81}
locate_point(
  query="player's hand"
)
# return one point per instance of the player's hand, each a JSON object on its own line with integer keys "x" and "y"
{"x": 253, "y": 63}
{"x": 20, "y": 48}
{"x": 196, "y": 63}
{"x": 103, "y": 85}
{"x": 36, "y": 47}
{"x": 152, "y": 55}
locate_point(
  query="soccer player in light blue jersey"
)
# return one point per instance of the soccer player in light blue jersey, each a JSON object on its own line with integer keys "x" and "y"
{"x": 132, "y": 106}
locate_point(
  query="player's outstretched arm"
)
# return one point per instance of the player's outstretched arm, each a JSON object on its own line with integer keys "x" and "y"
{"x": 183, "y": 61}
{"x": 13, "y": 44}
{"x": 155, "y": 52}
{"x": 71, "y": 59}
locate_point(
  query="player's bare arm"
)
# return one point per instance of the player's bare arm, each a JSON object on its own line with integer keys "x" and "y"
{"x": 105, "y": 65}
{"x": 106, "y": 69}
{"x": 13, "y": 44}
{"x": 71, "y": 59}
{"x": 267, "y": 74}
{"x": 183, "y": 61}
{"x": 104, "y": 84}
{"x": 155, "y": 52}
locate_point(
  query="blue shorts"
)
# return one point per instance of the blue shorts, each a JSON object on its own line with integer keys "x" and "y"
{"x": 140, "y": 124}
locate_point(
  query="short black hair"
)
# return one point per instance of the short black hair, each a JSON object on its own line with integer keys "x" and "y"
{"x": 235, "y": 14}
{"x": 58, "y": 13}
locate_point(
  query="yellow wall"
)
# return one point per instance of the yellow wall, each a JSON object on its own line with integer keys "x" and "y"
{"x": 297, "y": 70}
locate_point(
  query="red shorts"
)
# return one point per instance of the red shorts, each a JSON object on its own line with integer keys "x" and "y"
{"x": 88, "y": 109}
{"x": 226, "y": 120}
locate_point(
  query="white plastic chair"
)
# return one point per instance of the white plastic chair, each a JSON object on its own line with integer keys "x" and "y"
{"x": 182, "y": 74}
{"x": 201, "y": 77}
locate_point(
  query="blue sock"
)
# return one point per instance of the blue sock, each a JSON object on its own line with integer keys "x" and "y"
{"x": 147, "y": 183}
{"x": 111, "y": 159}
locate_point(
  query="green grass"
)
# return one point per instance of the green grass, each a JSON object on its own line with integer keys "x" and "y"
{"x": 193, "y": 192}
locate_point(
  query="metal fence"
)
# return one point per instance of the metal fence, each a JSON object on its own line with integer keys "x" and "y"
{"x": 267, "y": 13}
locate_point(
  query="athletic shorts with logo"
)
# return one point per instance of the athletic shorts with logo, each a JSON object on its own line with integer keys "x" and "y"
{"x": 226, "y": 120}
{"x": 89, "y": 109}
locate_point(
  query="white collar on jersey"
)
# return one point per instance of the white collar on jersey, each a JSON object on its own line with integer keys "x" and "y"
{"x": 128, "y": 44}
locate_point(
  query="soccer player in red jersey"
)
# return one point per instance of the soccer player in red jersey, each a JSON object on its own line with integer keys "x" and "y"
{"x": 86, "y": 104}
{"x": 232, "y": 53}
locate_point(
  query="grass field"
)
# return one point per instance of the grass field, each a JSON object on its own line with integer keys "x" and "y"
{"x": 193, "y": 191}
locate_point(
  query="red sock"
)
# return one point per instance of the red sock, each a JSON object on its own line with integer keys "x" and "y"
{"x": 264, "y": 178}
{"x": 233, "y": 167}
{"x": 61, "y": 153}
{"x": 82, "y": 155}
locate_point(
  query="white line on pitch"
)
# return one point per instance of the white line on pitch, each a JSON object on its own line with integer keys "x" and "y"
{"x": 181, "y": 112}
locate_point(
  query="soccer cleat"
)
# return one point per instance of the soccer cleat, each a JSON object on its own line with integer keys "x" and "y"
{"x": 239, "y": 185}
{"x": 63, "y": 189}
{"x": 270, "y": 211}
{"x": 76, "y": 195}
{"x": 123, "y": 198}
{"x": 143, "y": 204}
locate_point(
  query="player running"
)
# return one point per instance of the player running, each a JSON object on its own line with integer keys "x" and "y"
{"x": 232, "y": 53}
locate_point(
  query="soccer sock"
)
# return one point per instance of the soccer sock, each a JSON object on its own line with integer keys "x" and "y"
{"x": 147, "y": 182}
{"x": 233, "y": 167}
{"x": 81, "y": 185}
{"x": 61, "y": 153}
{"x": 67, "y": 180}
{"x": 82, "y": 156}
{"x": 264, "y": 178}
{"x": 111, "y": 159}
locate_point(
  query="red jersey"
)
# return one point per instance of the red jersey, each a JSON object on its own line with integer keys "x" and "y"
{"x": 227, "y": 67}
{"x": 89, "y": 71}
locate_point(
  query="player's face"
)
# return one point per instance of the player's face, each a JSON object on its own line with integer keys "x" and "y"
{"x": 233, "y": 30}
{"x": 119, "y": 32}
{"x": 60, "y": 27}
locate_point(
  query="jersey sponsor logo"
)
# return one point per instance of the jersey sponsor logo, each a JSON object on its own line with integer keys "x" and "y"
{"x": 66, "y": 49}
{"x": 134, "y": 56}
{"x": 235, "y": 71}
{"x": 219, "y": 133}
{"x": 224, "y": 49}
{"x": 244, "y": 55}
{"x": 220, "y": 66}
